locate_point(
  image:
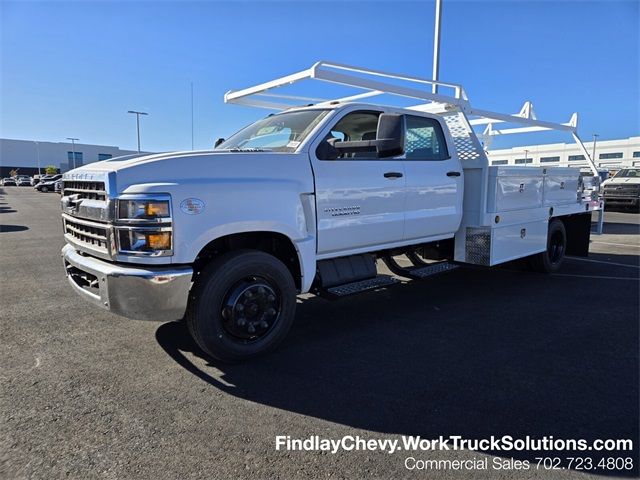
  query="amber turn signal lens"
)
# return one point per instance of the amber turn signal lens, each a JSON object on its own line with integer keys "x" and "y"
{"x": 159, "y": 209}
{"x": 159, "y": 241}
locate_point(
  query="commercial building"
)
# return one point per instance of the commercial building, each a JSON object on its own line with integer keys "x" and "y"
{"x": 27, "y": 155}
{"x": 610, "y": 154}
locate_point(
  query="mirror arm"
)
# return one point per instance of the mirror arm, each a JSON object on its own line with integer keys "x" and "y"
{"x": 356, "y": 146}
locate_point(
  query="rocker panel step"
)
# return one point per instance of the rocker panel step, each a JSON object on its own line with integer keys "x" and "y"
{"x": 361, "y": 286}
{"x": 420, "y": 272}
{"x": 340, "y": 271}
{"x": 423, "y": 272}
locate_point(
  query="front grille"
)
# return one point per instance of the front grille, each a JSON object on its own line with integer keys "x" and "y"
{"x": 84, "y": 189}
{"x": 622, "y": 190}
{"x": 94, "y": 235}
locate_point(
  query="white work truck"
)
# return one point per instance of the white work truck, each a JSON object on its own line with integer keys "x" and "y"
{"x": 309, "y": 199}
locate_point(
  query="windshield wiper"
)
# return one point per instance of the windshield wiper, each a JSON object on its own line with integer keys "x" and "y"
{"x": 251, "y": 149}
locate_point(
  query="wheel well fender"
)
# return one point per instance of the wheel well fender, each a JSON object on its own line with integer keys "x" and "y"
{"x": 273, "y": 243}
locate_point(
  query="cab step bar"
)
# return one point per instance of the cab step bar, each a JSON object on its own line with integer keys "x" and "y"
{"x": 420, "y": 272}
{"x": 352, "y": 288}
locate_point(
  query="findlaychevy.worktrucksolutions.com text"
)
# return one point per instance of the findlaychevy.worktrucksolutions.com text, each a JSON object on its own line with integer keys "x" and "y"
{"x": 505, "y": 443}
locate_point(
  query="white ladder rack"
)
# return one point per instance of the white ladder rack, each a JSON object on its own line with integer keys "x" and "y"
{"x": 375, "y": 83}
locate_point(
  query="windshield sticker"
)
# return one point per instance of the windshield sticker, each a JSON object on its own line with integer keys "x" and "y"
{"x": 293, "y": 144}
{"x": 192, "y": 206}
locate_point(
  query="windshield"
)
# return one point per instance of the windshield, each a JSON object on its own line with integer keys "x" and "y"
{"x": 628, "y": 172}
{"x": 276, "y": 133}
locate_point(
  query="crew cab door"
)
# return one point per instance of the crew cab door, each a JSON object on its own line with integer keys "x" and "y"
{"x": 359, "y": 197}
{"x": 434, "y": 181}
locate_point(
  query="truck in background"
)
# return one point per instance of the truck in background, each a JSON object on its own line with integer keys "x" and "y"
{"x": 623, "y": 189}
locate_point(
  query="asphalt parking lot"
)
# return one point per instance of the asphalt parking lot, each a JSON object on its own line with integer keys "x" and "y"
{"x": 478, "y": 352}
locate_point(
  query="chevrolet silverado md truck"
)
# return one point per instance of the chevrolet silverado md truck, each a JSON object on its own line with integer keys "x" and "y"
{"x": 309, "y": 199}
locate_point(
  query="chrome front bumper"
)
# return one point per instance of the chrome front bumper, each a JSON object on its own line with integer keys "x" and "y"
{"x": 141, "y": 292}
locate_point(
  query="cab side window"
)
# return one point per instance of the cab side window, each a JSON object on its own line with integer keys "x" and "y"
{"x": 360, "y": 125}
{"x": 424, "y": 139}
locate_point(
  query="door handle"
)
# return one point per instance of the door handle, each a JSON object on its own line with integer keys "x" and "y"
{"x": 392, "y": 175}
{"x": 453, "y": 174}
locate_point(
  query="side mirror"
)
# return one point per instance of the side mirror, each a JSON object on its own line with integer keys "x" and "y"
{"x": 327, "y": 151}
{"x": 218, "y": 142}
{"x": 389, "y": 140}
{"x": 390, "y": 135}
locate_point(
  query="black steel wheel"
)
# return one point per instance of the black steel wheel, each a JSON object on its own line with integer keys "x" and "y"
{"x": 556, "y": 245}
{"x": 251, "y": 308}
{"x": 241, "y": 305}
{"x": 551, "y": 260}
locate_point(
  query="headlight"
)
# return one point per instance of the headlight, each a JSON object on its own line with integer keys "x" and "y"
{"x": 153, "y": 241}
{"x": 144, "y": 225}
{"x": 155, "y": 209}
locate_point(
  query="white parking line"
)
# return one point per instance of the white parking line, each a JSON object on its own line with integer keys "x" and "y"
{"x": 601, "y": 261}
{"x": 599, "y": 277}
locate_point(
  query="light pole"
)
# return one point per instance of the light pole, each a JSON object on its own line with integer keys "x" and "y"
{"x": 73, "y": 149}
{"x": 436, "y": 46}
{"x": 137, "y": 114}
{"x": 526, "y": 152}
{"x": 595, "y": 139}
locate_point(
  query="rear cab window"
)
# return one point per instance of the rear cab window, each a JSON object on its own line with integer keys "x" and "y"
{"x": 424, "y": 139}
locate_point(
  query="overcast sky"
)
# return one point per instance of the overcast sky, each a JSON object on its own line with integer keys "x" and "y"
{"x": 75, "y": 68}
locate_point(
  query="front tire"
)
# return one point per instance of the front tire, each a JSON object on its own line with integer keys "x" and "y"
{"x": 551, "y": 260}
{"x": 44, "y": 189}
{"x": 242, "y": 305}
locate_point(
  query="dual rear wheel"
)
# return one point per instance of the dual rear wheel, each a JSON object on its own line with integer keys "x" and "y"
{"x": 551, "y": 260}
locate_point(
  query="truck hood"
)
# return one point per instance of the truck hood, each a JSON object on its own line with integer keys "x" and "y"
{"x": 163, "y": 171}
{"x": 127, "y": 161}
{"x": 622, "y": 181}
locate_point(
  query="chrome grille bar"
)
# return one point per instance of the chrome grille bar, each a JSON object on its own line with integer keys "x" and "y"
{"x": 81, "y": 232}
{"x": 84, "y": 189}
{"x": 84, "y": 233}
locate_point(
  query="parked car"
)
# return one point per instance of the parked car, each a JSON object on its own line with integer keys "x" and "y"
{"x": 8, "y": 182}
{"x": 43, "y": 178}
{"x": 48, "y": 185}
{"x": 47, "y": 177}
{"x": 623, "y": 190}
{"x": 23, "y": 181}
{"x": 57, "y": 186}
